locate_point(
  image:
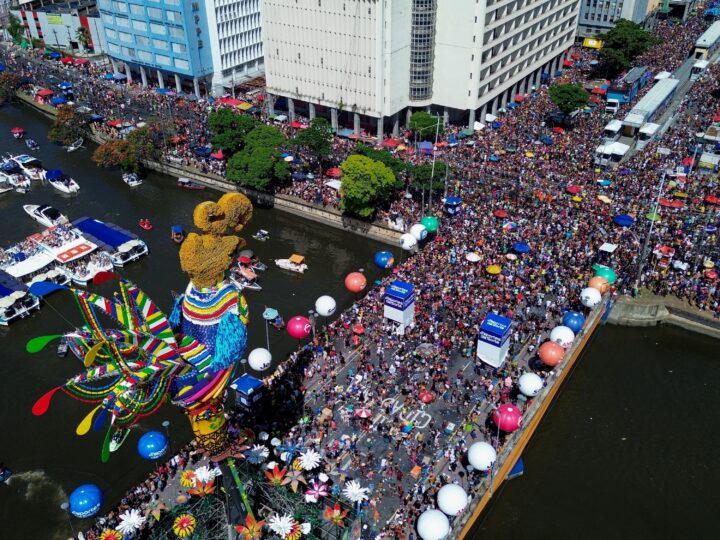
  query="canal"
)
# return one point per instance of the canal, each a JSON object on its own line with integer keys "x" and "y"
{"x": 49, "y": 460}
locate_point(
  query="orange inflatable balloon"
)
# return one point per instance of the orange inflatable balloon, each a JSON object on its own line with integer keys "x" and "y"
{"x": 551, "y": 353}
{"x": 600, "y": 283}
{"x": 355, "y": 282}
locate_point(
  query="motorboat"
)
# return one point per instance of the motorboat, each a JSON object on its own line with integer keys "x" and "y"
{"x": 118, "y": 438}
{"x": 13, "y": 175}
{"x": 62, "y": 182}
{"x": 17, "y": 132}
{"x": 29, "y": 263}
{"x": 261, "y": 235}
{"x": 30, "y": 166}
{"x": 132, "y": 179}
{"x": 186, "y": 183}
{"x": 16, "y": 302}
{"x": 145, "y": 224}
{"x": 177, "y": 234}
{"x": 62, "y": 348}
{"x": 45, "y": 214}
{"x": 254, "y": 263}
{"x": 32, "y": 144}
{"x": 296, "y": 263}
{"x": 75, "y": 145}
{"x": 123, "y": 246}
{"x": 241, "y": 282}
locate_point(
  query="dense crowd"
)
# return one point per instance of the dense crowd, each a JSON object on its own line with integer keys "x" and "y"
{"x": 505, "y": 169}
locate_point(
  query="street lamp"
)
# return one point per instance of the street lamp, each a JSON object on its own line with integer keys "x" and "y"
{"x": 166, "y": 425}
{"x": 65, "y": 507}
{"x": 243, "y": 363}
{"x": 312, "y": 314}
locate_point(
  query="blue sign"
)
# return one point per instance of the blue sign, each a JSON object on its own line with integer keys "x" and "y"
{"x": 400, "y": 295}
{"x": 495, "y": 329}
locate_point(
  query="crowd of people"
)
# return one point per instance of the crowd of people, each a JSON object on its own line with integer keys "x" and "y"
{"x": 507, "y": 169}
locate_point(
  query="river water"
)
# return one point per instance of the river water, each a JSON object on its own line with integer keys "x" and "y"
{"x": 49, "y": 460}
{"x": 628, "y": 449}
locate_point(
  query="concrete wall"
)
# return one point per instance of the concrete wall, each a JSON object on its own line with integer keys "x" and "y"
{"x": 634, "y": 312}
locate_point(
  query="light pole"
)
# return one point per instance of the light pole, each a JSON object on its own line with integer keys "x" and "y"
{"x": 243, "y": 363}
{"x": 312, "y": 314}
{"x": 65, "y": 507}
{"x": 643, "y": 253}
{"x": 432, "y": 168}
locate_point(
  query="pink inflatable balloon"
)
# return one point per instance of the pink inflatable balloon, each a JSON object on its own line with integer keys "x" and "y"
{"x": 355, "y": 282}
{"x": 507, "y": 417}
{"x": 299, "y": 327}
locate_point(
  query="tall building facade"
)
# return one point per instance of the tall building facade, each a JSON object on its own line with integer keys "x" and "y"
{"x": 368, "y": 62}
{"x": 187, "y": 45}
{"x": 598, "y": 16}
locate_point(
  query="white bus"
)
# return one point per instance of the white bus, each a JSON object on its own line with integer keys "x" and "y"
{"x": 646, "y": 134}
{"x": 708, "y": 43}
{"x": 612, "y": 131}
{"x": 609, "y": 155}
{"x": 698, "y": 69}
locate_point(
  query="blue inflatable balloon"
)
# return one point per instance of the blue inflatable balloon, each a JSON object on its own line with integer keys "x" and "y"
{"x": 574, "y": 321}
{"x": 384, "y": 260}
{"x": 152, "y": 445}
{"x": 85, "y": 501}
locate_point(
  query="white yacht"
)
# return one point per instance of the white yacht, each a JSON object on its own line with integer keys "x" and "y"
{"x": 132, "y": 179}
{"x": 45, "y": 214}
{"x": 62, "y": 182}
{"x": 122, "y": 246}
{"x": 15, "y": 300}
{"x": 11, "y": 173}
{"x": 30, "y": 166}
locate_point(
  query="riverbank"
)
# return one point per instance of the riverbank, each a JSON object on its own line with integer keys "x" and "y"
{"x": 286, "y": 203}
{"x": 649, "y": 309}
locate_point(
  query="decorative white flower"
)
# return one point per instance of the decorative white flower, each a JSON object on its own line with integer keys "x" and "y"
{"x": 323, "y": 477}
{"x": 257, "y": 454}
{"x": 281, "y": 525}
{"x": 306, "y": 528}
{"x": 130, "y": 521}
{"x": 205, "y": 474}
{"x": 354, "y": 493}
{"x": 309, "y": 459}
{"x": 270, "y": 466}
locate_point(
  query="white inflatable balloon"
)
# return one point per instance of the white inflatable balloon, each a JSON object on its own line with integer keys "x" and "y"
{"x": 419, "y": 231}
{"x": 481, "y": 455}
{"x": 408, "y": 241}
{"x": 530, "y": 384}
{"x": 260, "y": 359}
{"x": 452, "y": 499}
{"x": 563, "y": 336}
{"x": 325, "y": 305}
{"x": 590, "y": 297}
{"x": 433, "y": 525}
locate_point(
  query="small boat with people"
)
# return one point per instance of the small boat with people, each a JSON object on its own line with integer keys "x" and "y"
{"x": 5, "y": 473}
{"x": 244, "y": 279}
{"x": 261, "y": 235}
{"x": 177, "y": 234}
{"x": 118, "y": 438}
{"x": 29, "y": 263}
{"x": 30, "y": 166}
{"x": 75, "y": 145}
{"x": 32, "y": 144}
{"x": 254, "y": 261}
{"x": 295, "y": 263}
{"x": 61, "y": 181}
{"x": 11, "y": 173}
{"x": 132, "y": 179}
{"x": 121, "y": 245}
{"x": 45, "y": 214}
{"x": 62, "y": 348}
{"x": 186, "y": 183}
{"x": 16, "y": 302}
{"x": 146, "y": 224}
{"x": 18, "y": 132}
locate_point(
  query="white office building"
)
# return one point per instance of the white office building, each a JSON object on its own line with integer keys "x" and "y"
{"x": 599, "y": 16}
{"x": 370, "y": 63}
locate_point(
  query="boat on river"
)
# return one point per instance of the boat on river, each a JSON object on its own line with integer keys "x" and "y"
{"x": 123, "y": 246}
{"x": 61, "y": 181}
{"x": 30, "y": 166}
{"x": 296, "y": 263}
{"x": 243, "y": 280}
{"x": 11, "y": 173}
{"x": 186, "y": 183}
{"x": 177, "y": 234}
{"x": 32, "y": 144}
{"x": 27, "y": 262}
{"x": 132, "y": 179}
{"x": 45, "y": 214}
{"x": 75, "y": 145}
{"x": 16, "y": 302}
{"x": 261, "y": 235}
{"x": 254, "y": 263}
{"x": 17, "y": 132}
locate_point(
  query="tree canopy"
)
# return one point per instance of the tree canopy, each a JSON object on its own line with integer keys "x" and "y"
{"x": 397, "y": 165}
{"x": 316, "y": 138}
{"x": 129, "y": 153}
{"x": 229, "y": 129}
{"x": 68, "y": 126}
{"x": 623, "y": 43}
{"x": 259, "y": 168}
{"x": 8, "y": 85}
{"x": 423, "y": 123}
{"x": 15, "y": 28}
{"x": 263, "y": 136}
{"x": 423, "y": 173}
{"x": 366, "y": 185}
{"x": 568, "y": 97}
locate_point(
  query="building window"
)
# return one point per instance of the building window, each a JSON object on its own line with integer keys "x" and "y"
{"x": 137, "y": 10}
{"x": 162, "y": 59}
{"x": 157, "y": 29}
{"x": 154, "y": 13}
{"x": 124, "y": 36}
{"x": 174, "y": 16}
{"x": 120, "y": 6}
{"x": 113, "y": 48}
{"x": 160, "y": 44}
{"x": 140, "y": 25}
{"x": 122, "y": 21}
{"x": 112, "y": 34}
{"x": 176, "y": 32}
{"x": 145, "y": 56}
{"x": 182, "y": 64}
{"x": 128, "y": 51}
{"x": 179, "y": 48}
{"x": 142, "y": 40}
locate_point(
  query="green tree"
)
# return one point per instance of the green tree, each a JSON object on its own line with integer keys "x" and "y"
{"x": 263, "y": 136}
{"x": 422, "y": 174}
{"x": 229, "y": 129}
{"x": 398, "y": 166}
{"x": 614, "y": 61}
{"x": 8, "y": 85}
{"x": 68, "y": 126}
{"x": 621, "y": 45}
{"x": 423, "y": 123}
{"x": 317, "y": 138}
{"x": 366, "y": 185}
{"x": 259, "y": 168}
{"x": 130, "y": 153}
{"x": 568, "y": 97}
{"x": 15, "y": 28}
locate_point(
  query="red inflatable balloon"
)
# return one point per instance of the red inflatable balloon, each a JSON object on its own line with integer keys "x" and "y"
{"x": 355, "y": 282}
{"x": 507, "y": 417}
{"x": 299, "y": 327}
{"x": 551, "y": 353}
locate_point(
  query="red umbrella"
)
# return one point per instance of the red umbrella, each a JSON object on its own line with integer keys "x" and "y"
{"x": 594, "y": 99}
{"x": 335, "y": 172}
{"x": 712, "y": 199}
{"x": 576, "y": 55}
{"x": 114, "y": 123}
{"x": 519, "y": 98}
{"x": 599, "y": 91}
{"x": 218, "y": 155}
{"x": 358, "y": 329}
{"x": 245, "y": 260}
{"x": 67, "y": 60}
{"x": 500, "y": 214}
{"x": 363, "y": 412}
{"x": 711, "y": 274}
{"x": 664, "y": 202}
{"x": 426, "y": 396}
{"x": 574, "y": 189}
{"x": 81, "y": 61}
{"x": 665, "y": 250}
{"x": 391, "y": 143}
{"x": 17, "y": 130}
{"x": 297, "y": 125}
{"x": 558, "y": 130}
{"x": 567, "y": 63}
{"x": 688, "y": 161}
{"x": 355, "y": 340}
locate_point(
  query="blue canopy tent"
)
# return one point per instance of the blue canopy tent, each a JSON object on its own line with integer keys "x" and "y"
{"x": 426, "y": 147}
{"x": 54, "y": 174}
{"x": 452, "y": 205}
{"x": 558, "y": 73}
{"x": 119, "y": 77}
{"x": 249, "y": 389}
{"x": 2, "y": 68}
{"x": 344, "y": 132}
{"x": 496, "y": 124}
{"x": 494, "y": 157}
{"x": 162, "y": 91}
{"x": 452, "y": 141}
{"x": 202, "y": 151}
{"x": 297, "y": 175}
{"x": 96, "y": 118}
{"x": 623, "y": 220}
{"x": 58, "y": 100}
{"x": 65, "y": 85}
{"x": 103, "y": 234}
{"x": 521, "y": 247}
{"x": 547, "y": 141}
{"x": 511, "y": 105}
{"x": 55, "y": 55}
{"x": 545, "y": 76}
